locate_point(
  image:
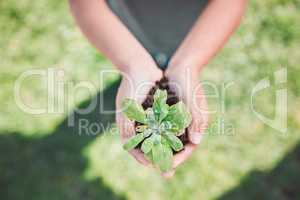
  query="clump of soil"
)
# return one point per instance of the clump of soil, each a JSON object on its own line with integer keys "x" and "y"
{"x": 163, "y": 84}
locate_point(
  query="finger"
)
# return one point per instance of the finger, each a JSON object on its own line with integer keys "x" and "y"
{"x": 183, "y": 155}
{"x": 169, "y": 174}
{"x": 127, "y": 130}
{"x": 198, "y": 107}
{"x": 199, "y": 117}
{"x": 125, "y": 126}
{"x": 139, "y": 156}
{"x": 197, "y": 128}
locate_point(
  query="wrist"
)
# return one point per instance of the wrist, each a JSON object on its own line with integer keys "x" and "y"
{"x": 136, "y": 66}
{"x": 180, "y": 70}
{"x": 188, "y": 63}
{"x": 145, "y": 71}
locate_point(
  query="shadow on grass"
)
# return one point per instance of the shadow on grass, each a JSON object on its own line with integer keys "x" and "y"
{"x": 52, "y": 167}
{"x": 283, "y": 182}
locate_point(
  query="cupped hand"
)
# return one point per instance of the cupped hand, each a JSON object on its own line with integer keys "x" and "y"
{"x": 135, "y": 84}
{"x": 185, "y": 83}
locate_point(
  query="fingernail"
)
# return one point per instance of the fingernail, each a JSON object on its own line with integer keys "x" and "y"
{"x": 195, "y": 137}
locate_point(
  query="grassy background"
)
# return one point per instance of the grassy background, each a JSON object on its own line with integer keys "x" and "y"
{"x": 43, "y": 158}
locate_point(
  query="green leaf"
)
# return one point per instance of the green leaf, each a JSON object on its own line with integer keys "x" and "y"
{"x": 168, "y": 155}
{"x": 160, "y": 107}
{"x": 149, "y": 156}
{"x": 133, "y": 110}
{"x": 179, "y": 116}
{"x": 173, "y": 141}
{"x": 162, "y": 156}
{"x": 133, "y": 141}
{"x": 157, "y": 153}
{"x": 165, "y": 126}
{"x": 156, "y": 139}
{"x": 147, "y": 145}
{"x": 150, "y": 118}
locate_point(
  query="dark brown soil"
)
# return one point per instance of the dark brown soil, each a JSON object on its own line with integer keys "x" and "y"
{"x": 172, "y": 99}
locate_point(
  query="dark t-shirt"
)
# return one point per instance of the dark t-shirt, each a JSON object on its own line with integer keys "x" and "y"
{"x": 159, "y": 25}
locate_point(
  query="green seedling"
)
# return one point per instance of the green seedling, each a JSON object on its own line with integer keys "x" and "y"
{"x": 159, "y": 128}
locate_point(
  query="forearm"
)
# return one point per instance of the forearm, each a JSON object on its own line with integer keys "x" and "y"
{"x": 105, "y": 31}
{"x": 209, "y": 34}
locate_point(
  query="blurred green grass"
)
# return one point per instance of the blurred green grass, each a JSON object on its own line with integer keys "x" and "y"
{"x": 42, "y": 158}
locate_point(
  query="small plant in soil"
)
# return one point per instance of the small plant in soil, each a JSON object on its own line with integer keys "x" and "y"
{"x": 157, "y": 128}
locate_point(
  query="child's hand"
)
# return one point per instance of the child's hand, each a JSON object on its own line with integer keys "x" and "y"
{"x": 135, "y": 85}
{"x": 185, "y": 83}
